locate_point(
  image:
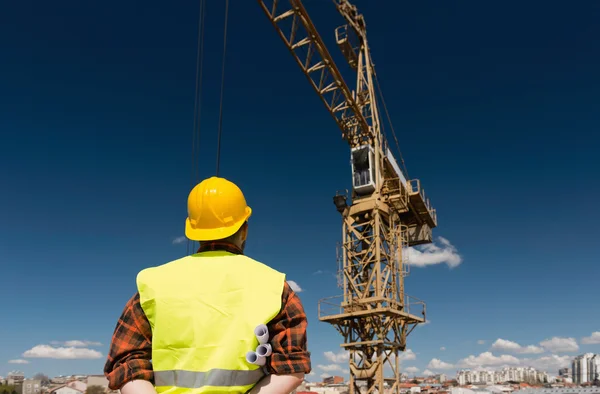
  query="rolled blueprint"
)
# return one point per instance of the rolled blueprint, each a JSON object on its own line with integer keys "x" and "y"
{"x": 262, "y": 334}
{"x": 253, "y": 358}
{"x": 264, "y": 350}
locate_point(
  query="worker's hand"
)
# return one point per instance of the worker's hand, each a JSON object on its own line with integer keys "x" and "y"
{"x": 138, "y": 387}
{"x": 277, "y": 384}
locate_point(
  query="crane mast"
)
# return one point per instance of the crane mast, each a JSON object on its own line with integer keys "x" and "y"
{"x": 387, "y": 213}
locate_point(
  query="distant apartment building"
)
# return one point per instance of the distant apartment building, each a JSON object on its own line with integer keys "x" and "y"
{"x": 586, "y": 368}
{"x": 441, "y": 378}
{"x": 433, "y": 379}
{"x": 31, "y": 386}
{"x": 515, "y": 374}
{"x": 15, "y": 377}
{"x": 564, "y": 372}
{"x": 470, "y": 377}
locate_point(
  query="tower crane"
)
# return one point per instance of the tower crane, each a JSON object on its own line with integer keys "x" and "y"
{"x": 385, "y": 213}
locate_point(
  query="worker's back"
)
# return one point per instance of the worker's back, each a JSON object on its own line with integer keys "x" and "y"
{"x": 203, "y": 310}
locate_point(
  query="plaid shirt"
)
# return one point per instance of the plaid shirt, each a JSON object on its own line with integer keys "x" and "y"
{"x": 131, "y": 347}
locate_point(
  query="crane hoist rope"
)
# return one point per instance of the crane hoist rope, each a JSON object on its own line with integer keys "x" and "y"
{"x": 197, "y": 102}
{"x": 222, "y": 87}
{"x": 195, "y": 173}
{"x": 197, "y": 95}
{"x": 389, "y": 118}
{"x": 198, "y": 92}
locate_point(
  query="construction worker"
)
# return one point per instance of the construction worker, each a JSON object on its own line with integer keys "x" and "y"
{"x": 190, "y": 327}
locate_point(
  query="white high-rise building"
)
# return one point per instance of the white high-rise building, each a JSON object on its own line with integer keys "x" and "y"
{"x": 586, "y": 368}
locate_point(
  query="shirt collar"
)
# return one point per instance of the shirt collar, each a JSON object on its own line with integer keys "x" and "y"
{"x": 211, "y": 246}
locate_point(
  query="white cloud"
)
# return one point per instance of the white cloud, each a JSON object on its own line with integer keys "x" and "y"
{"x": 331, "y": 367}
{"x": 560, "y": 345}
{"x": 179, "y": 240}
{"x": 46, "y": 351}
{"x": 406, "y": 355}
{"x": 550, "y": 363}
{"x": 593, "y": 339}
{"x": 412, "y": 370}
{"x": 325, "y": 375}
{"x": 19, "y": 361}
{"x": 503, "y": 344}
{"x": 432, "y": 254}
{"x": 488, "y": 359}
{"x": 295, "y": 286}
{"x": 436, "y": 363}
{"x": 343, "y": 356}
{"x": 338, "y": 358}
{"x": 76, "y": 343}
{"x": 531, "y": 349}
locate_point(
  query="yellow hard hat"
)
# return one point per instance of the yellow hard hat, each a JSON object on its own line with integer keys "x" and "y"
{"x": 216, "y": 209}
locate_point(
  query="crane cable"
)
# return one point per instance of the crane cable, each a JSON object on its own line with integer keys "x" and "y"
{"x": 222, "y": 87}
{"x": 197, "y": 101}
{"x": 391, "y": 125}
{"x": 198, "y": 95}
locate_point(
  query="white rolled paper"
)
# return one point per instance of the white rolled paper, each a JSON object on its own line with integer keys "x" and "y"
{"x": 262, "y": 334}
{"x": 264, "y": 350}
{"x": 254, "y": 358}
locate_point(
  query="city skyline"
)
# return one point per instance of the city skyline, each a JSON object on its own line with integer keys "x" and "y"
{"x": 547, "y": 359}
{"x": 463, "y": 377}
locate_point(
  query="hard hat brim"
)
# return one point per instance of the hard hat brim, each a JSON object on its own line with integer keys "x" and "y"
{"x": 198, "y": 234}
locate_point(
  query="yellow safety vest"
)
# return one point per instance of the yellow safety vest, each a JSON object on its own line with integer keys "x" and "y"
{"x": 203, "y": 310}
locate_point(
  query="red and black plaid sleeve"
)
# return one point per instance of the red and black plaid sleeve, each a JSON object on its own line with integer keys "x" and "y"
{"x": 288, "y": 337}
{"x": 131, "y": 347}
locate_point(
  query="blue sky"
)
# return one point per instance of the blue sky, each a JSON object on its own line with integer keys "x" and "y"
{"x": 495, "y": 106}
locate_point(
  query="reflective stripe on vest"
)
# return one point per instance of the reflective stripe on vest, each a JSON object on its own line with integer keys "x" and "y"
{"x": 215, "y": 377}
{"x": 203, "y": 310}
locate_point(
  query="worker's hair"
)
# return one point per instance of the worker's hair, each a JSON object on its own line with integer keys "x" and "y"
{"x": 233, "y": 237}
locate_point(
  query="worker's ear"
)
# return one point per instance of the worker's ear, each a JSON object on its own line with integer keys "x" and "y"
{"x": 244, "y": 233}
